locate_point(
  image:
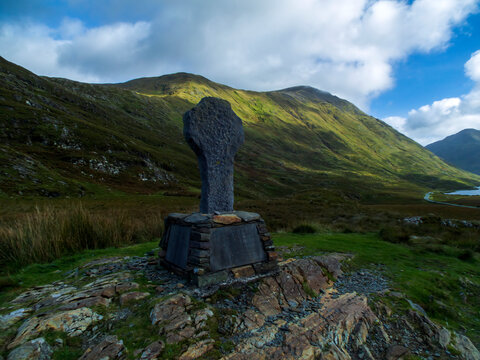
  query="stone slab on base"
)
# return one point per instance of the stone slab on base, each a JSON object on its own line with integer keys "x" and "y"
{"x": 211, "y": 248}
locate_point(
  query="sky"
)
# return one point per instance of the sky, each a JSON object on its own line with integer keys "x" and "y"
{"x": 415, "y": 64}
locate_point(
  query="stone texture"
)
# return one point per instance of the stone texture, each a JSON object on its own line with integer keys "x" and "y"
{"x": 444, "y": 337}
{"x": 266, "y": 299}
{"x": 466, "y": 348}
{"x": 247, "y": 216}
{"x": 13, "y": 317}
{"x": 174, "y": 320}
{"x": 312, "y": 274}
{"x": 243, "y": 271}
{"x": 211, "y": 278}
{"x": 132, "y": 297}
{"x": 331, "y": 329}
{"x": 72, "y": 322}
{"x": 332, "y": 263}
{"x": 226, "y": 219}
{"x": 253, "y": 320}
{"x": 197, "y": 218}
{"x": 197, "y": 350}
{"x": 153, "y": 351}
{"x": 214, "y": 132}
{"x": 170, "y": 308}
{"x": 395, "y": 352}
{"x": 37, "y": 349}
{"x": 77, "y": 303}
{"x": 126, "y": 286}
{"x": 110, "y": 348}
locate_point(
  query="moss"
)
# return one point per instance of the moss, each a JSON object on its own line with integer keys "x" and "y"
{"x": 308, "y": 290}
{"x": 453, "y": 350}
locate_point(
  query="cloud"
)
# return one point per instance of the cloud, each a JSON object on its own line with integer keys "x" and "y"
{"x": 444, "y": 117}
{"x": 472, "y": 66}
{"x": 346, "y": 47}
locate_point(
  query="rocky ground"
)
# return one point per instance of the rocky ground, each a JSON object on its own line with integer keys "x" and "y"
{"x": 118, "y": 308}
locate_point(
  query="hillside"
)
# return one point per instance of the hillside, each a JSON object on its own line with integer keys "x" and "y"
{"x": 461, "y": 150}
{"x": 65, "y": 138}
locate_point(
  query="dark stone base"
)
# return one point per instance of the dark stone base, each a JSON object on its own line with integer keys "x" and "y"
{"x": 211, "y": 248}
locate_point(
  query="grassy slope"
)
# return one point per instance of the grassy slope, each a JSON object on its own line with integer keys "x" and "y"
{"x": 61, "y": 137}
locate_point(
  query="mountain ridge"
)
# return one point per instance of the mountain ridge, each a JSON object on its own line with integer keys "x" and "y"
{"x": 461, "y": 149}
{"x": 62, "y": 137}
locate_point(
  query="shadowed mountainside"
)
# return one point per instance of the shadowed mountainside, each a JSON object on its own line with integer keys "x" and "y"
{"x": 60, "y": 137}
{"x": 461, "y": 150}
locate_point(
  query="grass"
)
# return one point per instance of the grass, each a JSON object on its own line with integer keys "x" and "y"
{"x": 40, "y": 274}
{"x": 49, "y": 233}
{"x": 446, "y": 287}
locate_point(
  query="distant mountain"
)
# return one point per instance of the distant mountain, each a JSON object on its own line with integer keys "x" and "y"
{"x": 60, "y": 137}
{"x": 461, "y": 150}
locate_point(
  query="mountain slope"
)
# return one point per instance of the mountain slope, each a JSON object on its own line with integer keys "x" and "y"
{"x": 461, "y": 150}
{"x": 61, "y": 137}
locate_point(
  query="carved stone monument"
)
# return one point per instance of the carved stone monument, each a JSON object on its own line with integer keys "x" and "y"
{"x": 214, "y": 132}
{"x": 217, "y": 243}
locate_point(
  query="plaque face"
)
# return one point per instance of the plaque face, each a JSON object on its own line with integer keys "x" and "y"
{"x": 178, "y": 243}
{"x": 233, "y": 246}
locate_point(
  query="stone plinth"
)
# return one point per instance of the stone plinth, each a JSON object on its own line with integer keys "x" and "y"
{"x": 211, "y": 248}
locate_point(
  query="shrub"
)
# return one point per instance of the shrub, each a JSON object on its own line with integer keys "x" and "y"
{"x": 394, "y": 234}
{"x": 304, "y": 229}
{"x": 466, "y": 255}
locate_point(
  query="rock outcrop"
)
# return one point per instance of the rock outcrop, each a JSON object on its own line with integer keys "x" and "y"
{"x": 308, "y": 310}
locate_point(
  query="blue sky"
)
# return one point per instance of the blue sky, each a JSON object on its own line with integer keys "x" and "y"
{"x": 424, "y": 78}
{"x": 413, "y": 64}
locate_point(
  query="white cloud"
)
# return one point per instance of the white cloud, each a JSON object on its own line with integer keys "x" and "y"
{"x": 444, "y": 117}
{"x": 472, "y": 67}
{"x": 346, "y": 47}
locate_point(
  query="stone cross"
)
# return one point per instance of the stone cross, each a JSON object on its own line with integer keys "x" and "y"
{"x": 214, "y": 132}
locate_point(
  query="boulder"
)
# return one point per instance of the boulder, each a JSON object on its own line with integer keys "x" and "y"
{"x": 37, "y": 349}
{"x": 466, "y": 348}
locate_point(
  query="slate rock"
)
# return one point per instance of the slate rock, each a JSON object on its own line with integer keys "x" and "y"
{"x": 466, "y": 348}
{"x": 153, "y": 351}
{"x": 37, "y": 349}
{"x": 11, "y": 318}
{"x": 226, "y": 219}
{"x": 197, "y": 350}
{"x": 197, "y": 218}
{"x": 73, "y": 322}
{"x": 395, "y": 352}
{"x": 214, "y": 132}
{"x": 110, "y": 348}
{"x": 132, "y": 297}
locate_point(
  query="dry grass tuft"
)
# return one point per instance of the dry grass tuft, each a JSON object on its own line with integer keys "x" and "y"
{"x": 49, "y": 233}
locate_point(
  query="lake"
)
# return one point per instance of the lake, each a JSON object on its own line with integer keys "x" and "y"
{"x": 465, "y": 192}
